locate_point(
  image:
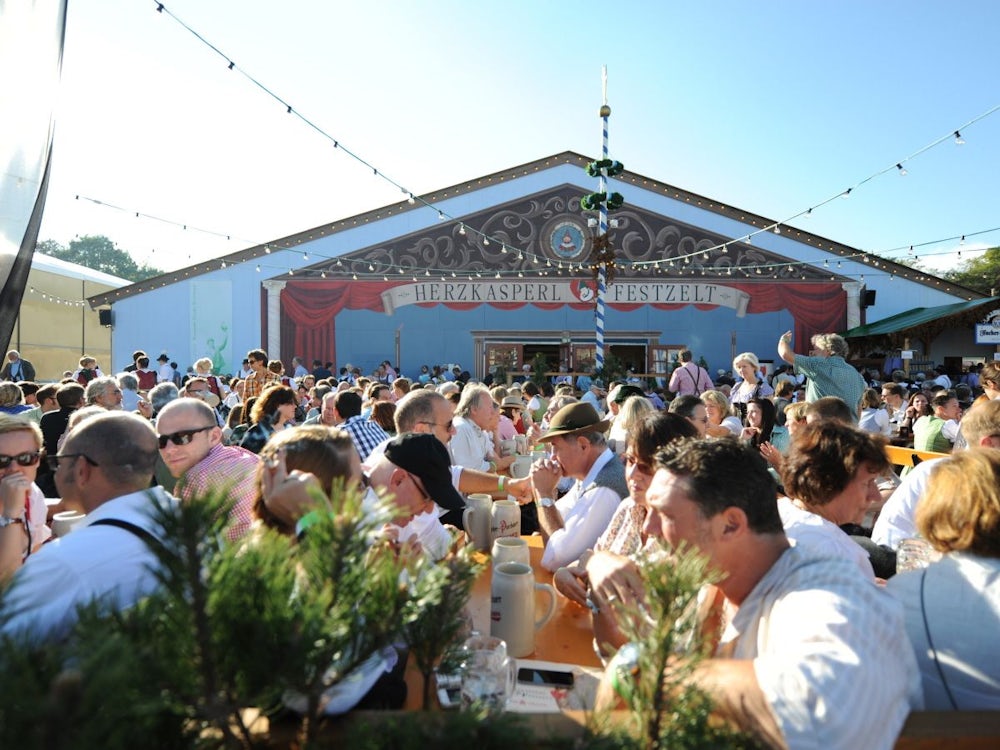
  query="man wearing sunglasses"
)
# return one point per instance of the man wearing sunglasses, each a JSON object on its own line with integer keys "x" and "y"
{"x": 22, "y": 504}
{"x": 191, "y": 448}
{"x": 103, "y": 469}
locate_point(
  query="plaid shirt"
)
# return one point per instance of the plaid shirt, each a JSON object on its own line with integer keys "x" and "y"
{"x": 225, "y": 467}
{"x": 365, "y": 434}
{"x": 255, "y": 385}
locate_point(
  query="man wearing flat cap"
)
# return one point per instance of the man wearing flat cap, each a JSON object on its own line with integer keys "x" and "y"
{"x": 573, "y": 524}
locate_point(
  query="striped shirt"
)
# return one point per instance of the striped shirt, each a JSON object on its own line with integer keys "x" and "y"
{"x": 829, "y": 651}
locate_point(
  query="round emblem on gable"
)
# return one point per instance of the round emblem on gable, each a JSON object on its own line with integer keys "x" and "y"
{"x": 566, "y": 240}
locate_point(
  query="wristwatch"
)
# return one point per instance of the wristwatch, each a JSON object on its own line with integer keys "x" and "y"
{"x": 546, "y": 502}
{"x": 6, "y": 521}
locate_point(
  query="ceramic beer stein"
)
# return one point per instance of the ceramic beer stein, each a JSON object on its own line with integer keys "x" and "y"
{"x": 521, "y": 467}
{"x": 505, "y": 519}
{"x": 512, "y": 607}
{"x": 476, "y": 519}
{"x": 511, "y": 549}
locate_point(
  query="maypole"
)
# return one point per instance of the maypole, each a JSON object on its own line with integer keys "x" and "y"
{"x": 603, "y": 257}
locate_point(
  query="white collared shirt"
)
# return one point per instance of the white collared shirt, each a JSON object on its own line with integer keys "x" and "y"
{"x": 829, "y": 652}
{"x": 470, "y": 445}
{"x": 92, "y": 562}
{"x": 586, "y": 511}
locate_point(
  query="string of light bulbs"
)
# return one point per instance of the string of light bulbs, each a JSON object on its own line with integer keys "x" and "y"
{"x": 412, "y": 198}
{"x": 48, "y": 297}
{"x": 656, "y": 265}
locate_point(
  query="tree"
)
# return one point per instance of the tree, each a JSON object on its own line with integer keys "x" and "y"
{"x": 99, "y": 253}
{"x": 981, "y": 274}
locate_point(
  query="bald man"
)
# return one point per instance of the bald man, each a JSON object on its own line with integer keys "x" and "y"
{"x": 191, "y": 448}
{"x": 104, "y": 469}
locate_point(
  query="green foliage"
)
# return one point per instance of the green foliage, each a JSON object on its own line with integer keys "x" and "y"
{"x": 665, "y": 646}
{"x": 981, "y": 274}
{"x": 434, "y": 615}
{"x": 99, "y": 253}
{"x": 614, "y": 369}
{"x": 233, "y": 626}
{"x": 539, "y": 366}
{"x": 466, "y": 729}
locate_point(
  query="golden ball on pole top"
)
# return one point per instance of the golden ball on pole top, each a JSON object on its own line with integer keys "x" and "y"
{"x": 605, "y": 110}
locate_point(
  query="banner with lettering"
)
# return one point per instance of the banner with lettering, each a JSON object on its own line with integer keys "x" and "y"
{"x": 563, "y": 293}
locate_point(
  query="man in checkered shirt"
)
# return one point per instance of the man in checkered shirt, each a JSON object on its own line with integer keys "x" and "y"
{"x": 191, "y": 447}
{"x": 347, "y": 416}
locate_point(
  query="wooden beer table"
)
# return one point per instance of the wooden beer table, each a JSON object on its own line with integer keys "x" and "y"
{"x": 567, "y": 638}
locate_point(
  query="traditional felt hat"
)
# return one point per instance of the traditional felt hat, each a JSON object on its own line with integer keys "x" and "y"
{"x": 574, "y": 419}
{"x": 512, "y": 402}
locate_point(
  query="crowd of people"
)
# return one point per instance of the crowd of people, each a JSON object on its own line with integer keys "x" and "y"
{"x": 780, "y": 480}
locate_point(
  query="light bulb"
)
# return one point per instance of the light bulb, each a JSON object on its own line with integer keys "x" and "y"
{"x": 902, "y": 170}
{"x": 959, "y": 140}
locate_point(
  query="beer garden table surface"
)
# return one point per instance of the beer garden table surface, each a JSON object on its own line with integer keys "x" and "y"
{"x": 567, "y": 638}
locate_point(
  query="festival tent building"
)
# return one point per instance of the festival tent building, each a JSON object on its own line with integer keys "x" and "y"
{"x": 493, "y": 271}
{"x": 55, "y": 325}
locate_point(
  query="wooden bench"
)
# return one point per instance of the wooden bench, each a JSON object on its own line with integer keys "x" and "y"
{"x": 909, "y": 457}
{"x": 955, "y": 730}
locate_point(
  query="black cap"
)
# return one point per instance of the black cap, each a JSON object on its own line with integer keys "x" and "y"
{"x": 163, "y": 358}
{"x": 627, "y": 391}
{"x": 425, "y": 456}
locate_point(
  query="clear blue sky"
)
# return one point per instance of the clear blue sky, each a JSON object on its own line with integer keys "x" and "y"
{"x": 768, "y": 106}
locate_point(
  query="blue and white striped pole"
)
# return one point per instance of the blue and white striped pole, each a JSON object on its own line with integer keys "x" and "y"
{"x": 602, "y": 228}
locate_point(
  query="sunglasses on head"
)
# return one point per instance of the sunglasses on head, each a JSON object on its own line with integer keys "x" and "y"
{"x": 181, "y": 437}
{"x": 22, "y": 459}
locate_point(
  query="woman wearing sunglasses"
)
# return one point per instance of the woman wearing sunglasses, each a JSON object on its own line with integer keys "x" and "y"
{"x": 22, "y": 504}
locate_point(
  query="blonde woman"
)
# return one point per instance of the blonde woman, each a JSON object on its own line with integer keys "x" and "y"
{"x": 952, "y": 606}
{"x": 752, "y": 386}
{"x": 721, "y": 417}
{"x": 203, "y": 369}
{"x": 630, "y": 414}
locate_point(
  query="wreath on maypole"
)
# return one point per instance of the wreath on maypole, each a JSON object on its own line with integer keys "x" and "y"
{"x": 603, "y": 254}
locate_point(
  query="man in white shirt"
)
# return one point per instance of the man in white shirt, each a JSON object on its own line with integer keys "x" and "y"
{"x": 941, "y": 377}
{"x": 164, "y": 372}
{"x": 476, "y": 418}
{"x": 573, "y": 523}
{"x": 814, "y": 655}
{"x": 893, "y": 397}
{"x": 104, "y": 469}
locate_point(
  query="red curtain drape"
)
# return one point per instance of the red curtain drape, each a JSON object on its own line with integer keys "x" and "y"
{"x": 309, "y": 310}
